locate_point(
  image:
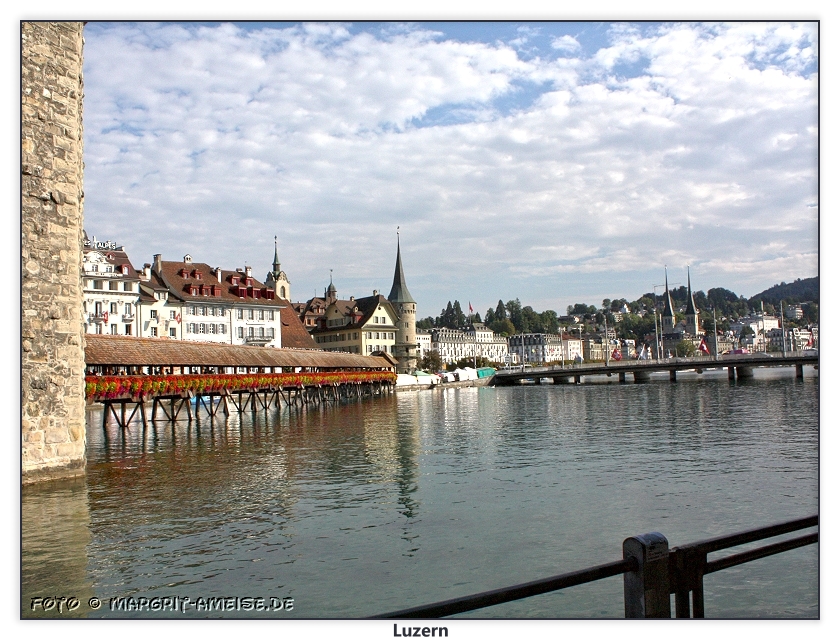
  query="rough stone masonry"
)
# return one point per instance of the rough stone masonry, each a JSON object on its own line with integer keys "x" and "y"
{"x": 52, "y": 338}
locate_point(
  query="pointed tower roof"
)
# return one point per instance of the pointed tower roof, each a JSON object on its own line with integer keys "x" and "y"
{"x": 399, "y": 290}
{"x": 690, "y": 308}
{"x": 669, "y": 305}
{"x": 276, "y": 259}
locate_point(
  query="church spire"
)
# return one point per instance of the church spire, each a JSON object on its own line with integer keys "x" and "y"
{"x": 669, "y": 305}
{"x": 690, "y": 308}
{"x": 276, "y": 258}
{"x": 399, "y": 290}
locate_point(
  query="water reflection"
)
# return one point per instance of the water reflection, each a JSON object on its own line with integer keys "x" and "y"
{"x": 461, "y": 489}
{"x": 55, "y": 532}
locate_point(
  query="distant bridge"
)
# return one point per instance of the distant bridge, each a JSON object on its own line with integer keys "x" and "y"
{"x": 738, "y": 366}
{"x": 126, "y": 373}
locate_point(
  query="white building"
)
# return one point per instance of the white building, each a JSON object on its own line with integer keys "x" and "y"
{"x": 208, "y": 304}
{"x": 110, "y": 288}
{"x": 424, "y": 343}
{"x": 477, "y": 341}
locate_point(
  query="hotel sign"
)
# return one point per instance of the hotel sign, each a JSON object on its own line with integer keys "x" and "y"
{"x": 96, "y": 244}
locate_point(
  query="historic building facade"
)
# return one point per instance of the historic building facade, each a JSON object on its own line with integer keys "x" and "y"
{"x": 111, "y": 289}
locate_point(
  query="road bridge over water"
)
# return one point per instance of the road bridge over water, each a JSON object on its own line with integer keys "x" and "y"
{"x": 738, "y": 366}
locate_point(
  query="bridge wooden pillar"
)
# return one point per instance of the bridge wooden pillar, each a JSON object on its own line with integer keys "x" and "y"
{"x": 672, "y": 374}
{"x": 622, "y": 377}
{"x": 744, "y": 372}
{"x": 577, "y": 379}
{"x": 641, "y": 376}
{"x": 730, "y": 372}
{"x": 799, "y": 373}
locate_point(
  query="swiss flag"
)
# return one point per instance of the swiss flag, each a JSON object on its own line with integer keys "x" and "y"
{"x": 616, "y": 354}
{"x": 703, "y": 347}
{"x": 471, "y": 309}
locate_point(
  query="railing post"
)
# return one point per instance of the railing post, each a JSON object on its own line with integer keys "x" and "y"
{"x": 646, "y": 590}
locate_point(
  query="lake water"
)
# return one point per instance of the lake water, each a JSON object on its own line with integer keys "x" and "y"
{"x": 387, "y": 503}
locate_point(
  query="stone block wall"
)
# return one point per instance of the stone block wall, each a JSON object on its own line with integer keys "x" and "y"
{"x": 52, "y": 347}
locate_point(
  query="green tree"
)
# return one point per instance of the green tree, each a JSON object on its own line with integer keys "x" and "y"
{"x": 501, "y": 311}
{"x": 686, "y": 349}
{"x": 431, "y": 361}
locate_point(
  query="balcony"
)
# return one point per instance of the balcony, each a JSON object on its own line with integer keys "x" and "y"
{"x": 129, "y": 317}
{"x": 97, "y": 318}
{"x": 262, "y": 340}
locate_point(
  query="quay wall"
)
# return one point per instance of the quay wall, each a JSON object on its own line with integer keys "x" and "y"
{"x": 481, "y": 382}
{"x": 52, "y": 337}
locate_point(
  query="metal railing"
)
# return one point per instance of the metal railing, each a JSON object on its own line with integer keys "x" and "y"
{"x": 652, "y": 571}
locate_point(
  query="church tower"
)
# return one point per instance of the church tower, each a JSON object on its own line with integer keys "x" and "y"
{"x": 405, "y": 348}
{"x": 668, "y": 320}
{"x": 692, "y": 316}
{"x": 277, "y": 280}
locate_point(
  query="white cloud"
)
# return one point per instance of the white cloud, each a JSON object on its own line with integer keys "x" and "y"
{"x": 704, "y": 148}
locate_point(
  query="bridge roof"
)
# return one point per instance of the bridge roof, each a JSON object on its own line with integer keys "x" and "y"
{"x": 127, "y": 350}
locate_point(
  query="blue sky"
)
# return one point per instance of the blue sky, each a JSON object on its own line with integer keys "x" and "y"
{"x": 557, "y": 162}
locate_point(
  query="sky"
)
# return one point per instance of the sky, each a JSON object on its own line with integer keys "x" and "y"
{"x": 554, "y": 162}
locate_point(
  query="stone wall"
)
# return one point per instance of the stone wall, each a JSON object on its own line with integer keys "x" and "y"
{"x": 52, "y": 348}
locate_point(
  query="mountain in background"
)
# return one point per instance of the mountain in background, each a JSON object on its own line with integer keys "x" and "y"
{"x": 807, "y": 290}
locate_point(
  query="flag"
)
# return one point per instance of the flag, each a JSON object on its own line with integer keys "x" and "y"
{"x": 703, "y": 347}
{"x": 471, "y": 309}
{"x": 616, "y": 354}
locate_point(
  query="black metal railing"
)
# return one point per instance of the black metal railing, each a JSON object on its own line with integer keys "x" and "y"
{"x": 651, "y": 572}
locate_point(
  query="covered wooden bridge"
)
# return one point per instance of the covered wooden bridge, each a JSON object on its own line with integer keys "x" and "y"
{"x": 134, "y": 375}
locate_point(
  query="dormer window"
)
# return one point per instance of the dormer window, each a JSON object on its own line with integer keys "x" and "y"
{"x": 196, "y": 274}
{"x": 125, "y": 269}
{"x": 249, "y": 282}
{"x": 234, "y": 280}
{"x": 193, "y": 290}
{"x": 184, "y": 273}
{"x": 241, "y": 291}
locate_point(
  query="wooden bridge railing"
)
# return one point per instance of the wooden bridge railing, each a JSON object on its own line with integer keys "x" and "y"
{"x": 101, "y": 388}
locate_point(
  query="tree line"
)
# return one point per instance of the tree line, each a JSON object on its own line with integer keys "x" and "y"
{"x": 715, "y": 306}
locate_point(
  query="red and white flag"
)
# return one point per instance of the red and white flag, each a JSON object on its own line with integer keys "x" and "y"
{"x": 703, "y": 347}
{"x": 616, "y": 354}
{"x": 471, "y": 310}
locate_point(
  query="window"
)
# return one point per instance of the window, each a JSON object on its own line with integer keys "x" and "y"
{"x": 239, "y": 332}
{"x": 129, "y": 286}
{"x": 128, "y": 310}
{"x": 191, "y": 327}
{"x": 171, "y": 315}
{"x": 271, "y": 332}
{"x": 113, "y": 329}
{"x": 212, "y": 328}
{"x": 204, "y": 311}
{"x": 154, "y": 332}
{"x": 98, "y": 328}
{"x": 113, "y": 307}
{"x": 173, "y": 333}
{"x": 262, "y": 332}
{"x": 128, "y": 329}
{"x": 152, "y": 314}
{"x": 261, "y": 315}
{"x": 239, "y": 315}
{"x": 97, "y": 284}
{"x": 222, "y": 329}
{"x": 191, "y": 310}
{"x": 94, "y": 268}
{"x": 271, "y": 315}
{"x": 250, "y": 314}
{"x": 113, "y": 285}
{"x": 108, "y": 268}
{"x": 201, "y": 328}
{"x": 250, "y": 332}
{"x": 282, "y": 292}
